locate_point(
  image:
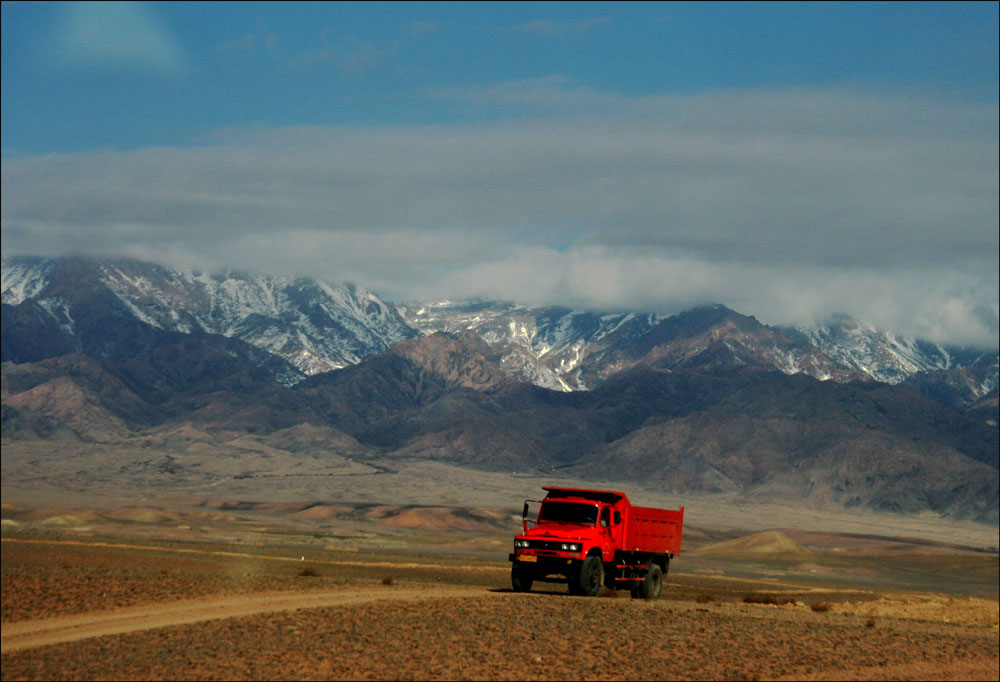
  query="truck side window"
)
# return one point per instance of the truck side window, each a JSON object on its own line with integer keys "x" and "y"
{"x": 618, "y": 517}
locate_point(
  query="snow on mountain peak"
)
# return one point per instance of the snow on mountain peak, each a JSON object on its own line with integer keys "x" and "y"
{"x": 318, "y": 327}
{"x": 314, "y": 325}
{"x": 22, "y": 278}
{"x": 885, "y": 356}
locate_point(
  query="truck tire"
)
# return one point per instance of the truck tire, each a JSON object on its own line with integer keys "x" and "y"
{"x": 520, "y": 579}
{"x": 590, "y": 578}
{"x": 651, "y": 585}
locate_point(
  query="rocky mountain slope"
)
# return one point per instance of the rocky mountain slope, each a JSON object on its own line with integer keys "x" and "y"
{"x": 564, "y": 349}
{"x": 445, "y": 398}
{"x": 317, "y": 327}
{"x": 892, "y": 358}
{"x": 708, "y": 400}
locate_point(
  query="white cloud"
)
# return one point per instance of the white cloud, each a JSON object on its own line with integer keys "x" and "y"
{"x": 939, "y": 303}
{"x": 115, "y": 35}
{"x": 786, "y": 205}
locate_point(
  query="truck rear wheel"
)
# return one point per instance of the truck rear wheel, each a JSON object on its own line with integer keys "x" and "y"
{"x": 651, "y": 585}
{"x": 520, "y": 579}
{"x": 590, "y": 578}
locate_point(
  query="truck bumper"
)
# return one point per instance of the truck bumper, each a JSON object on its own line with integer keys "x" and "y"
{"x": 541, "y": 566}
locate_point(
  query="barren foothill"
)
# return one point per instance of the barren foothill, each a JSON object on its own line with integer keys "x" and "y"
{"x": 101, "y": 608}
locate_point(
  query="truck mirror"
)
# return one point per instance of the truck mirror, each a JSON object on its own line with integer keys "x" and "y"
{"x": 524, "y": 512}
{"x": 605, "y": 517}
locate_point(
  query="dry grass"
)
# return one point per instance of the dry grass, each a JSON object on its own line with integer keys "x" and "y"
{"x": 768, "y": 599}
{"x": 472, "y": 638}
{"x": 461, "y": 637}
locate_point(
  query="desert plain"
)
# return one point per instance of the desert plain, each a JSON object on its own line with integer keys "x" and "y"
{"x": 406, "y": 577}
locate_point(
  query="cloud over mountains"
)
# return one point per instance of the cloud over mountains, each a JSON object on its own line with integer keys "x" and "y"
{"x": 793, "y": 203}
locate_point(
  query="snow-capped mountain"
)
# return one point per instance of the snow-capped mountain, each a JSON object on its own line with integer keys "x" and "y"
{"x": 573, "y": 350}
{"x": 121, "y": 352}
{"x": 313, "y": 325}
{"x": 23, "y": 278}
{"x": 318, "y": 327}
{"x": 892, "y": 358}
{"x": 544, "y": 346}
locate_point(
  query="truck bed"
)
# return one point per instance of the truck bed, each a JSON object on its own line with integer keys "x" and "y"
{"x": 654, "y": 530}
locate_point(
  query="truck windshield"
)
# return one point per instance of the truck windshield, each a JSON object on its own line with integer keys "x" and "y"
{"x": 569, "y": 512}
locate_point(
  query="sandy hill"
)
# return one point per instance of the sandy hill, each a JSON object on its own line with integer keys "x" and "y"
{"x": 770, "y": 545}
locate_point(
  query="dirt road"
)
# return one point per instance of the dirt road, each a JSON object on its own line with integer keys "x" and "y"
{"x": 44, "y": 632}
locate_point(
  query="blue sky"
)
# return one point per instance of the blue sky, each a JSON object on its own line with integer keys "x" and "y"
{"x": 789, "y": 160}
{"x": 121, "y": 75}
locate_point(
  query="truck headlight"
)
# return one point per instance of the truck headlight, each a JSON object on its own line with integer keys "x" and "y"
{"x": 520, "y": 543}
{"x": 570, "y": 547}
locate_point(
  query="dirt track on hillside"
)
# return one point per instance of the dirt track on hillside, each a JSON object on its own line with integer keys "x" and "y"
{"x": 44, "y": 632}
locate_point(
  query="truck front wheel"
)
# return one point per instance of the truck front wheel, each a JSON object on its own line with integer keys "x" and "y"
{"x": 590, "y": 578}
{"x": 651, "y": 585}
{"x": 520, "y": 579}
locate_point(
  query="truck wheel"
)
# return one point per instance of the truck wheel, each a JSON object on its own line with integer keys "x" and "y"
{"x": 520, "y": 579}
{"x": 590, "y": 578}
{"x": 651, "y": 585}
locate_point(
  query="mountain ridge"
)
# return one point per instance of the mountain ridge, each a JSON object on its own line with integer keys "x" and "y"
{"x": 319, "y": 327}
{"x": 701, "y": 401}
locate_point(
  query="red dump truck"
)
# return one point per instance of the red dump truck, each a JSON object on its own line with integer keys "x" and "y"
{"x": 589, "y": 538}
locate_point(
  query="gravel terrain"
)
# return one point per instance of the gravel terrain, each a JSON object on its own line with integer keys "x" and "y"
{"x": 260, "y": 613}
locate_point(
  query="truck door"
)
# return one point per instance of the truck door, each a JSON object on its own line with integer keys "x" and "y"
{"x": 607, "y": 534}
{"x": 617, "y": 529}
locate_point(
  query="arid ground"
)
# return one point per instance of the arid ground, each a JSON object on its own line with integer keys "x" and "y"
{"x": 360, "y": 591}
